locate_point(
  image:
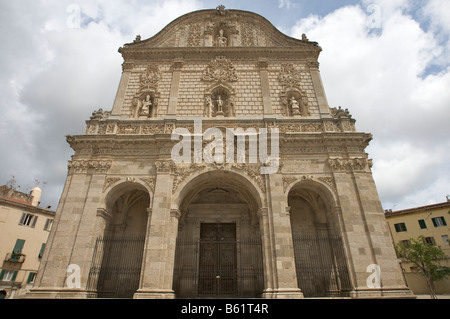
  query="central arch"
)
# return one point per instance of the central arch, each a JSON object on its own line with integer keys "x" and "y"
{"x": 219, "y": 251}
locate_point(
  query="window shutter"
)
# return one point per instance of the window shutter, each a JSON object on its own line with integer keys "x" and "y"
{"x": 30, "y": 277}
{"x": 18, "y": 246}
{"x": 434, "y": 222}
{"x": 443, "y": 221}
{"x": 22, "y": 219}
{"x": 2, "y": 273}
{"x": 422, "y": 224}
{"x": 13, "y": 278}
{"x": 34, "y": 221}
{"x": 41, "y": 252}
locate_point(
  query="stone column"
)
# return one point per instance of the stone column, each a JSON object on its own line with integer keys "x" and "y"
{"x": 159, "y": 252}
{"x": 284, "y": 277}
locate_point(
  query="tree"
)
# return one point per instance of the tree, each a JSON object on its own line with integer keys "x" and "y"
{"x": 427, "y": 258}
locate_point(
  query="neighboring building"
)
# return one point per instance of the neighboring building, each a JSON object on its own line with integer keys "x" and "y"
{"x": 145, "y": 215}
{"x": 429, "y": 221}
{"x": 24, "y": 230}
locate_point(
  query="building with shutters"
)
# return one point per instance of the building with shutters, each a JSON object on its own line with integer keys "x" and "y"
{"x": 429, "y": 221}
{"x": 24, "y": 230}
{"x": 220, "y": 171}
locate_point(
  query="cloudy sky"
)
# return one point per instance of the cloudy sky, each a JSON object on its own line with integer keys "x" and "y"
{"x": 387, "y": 61}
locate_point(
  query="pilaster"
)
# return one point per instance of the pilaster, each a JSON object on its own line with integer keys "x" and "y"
{"x": 279, "y": 237}
{"x": 123, "y": 84}
{"x": 174, "y": 86}
{"x": 159, "y": 253}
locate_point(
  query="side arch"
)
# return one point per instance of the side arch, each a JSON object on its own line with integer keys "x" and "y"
{"x": 318, "y": 238}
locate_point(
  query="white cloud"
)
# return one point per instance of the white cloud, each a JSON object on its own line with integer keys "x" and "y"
{"x": 285, "y": 3}
{"x": 380, "y": 75}
{"x": 56, "y": 72}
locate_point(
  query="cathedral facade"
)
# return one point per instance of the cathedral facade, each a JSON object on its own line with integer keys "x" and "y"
{"x": 220, "y": 171}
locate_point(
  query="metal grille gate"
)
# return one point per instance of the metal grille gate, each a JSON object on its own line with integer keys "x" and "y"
{"x": 196, "y": 276}
{"x": 116, "y": 266}
{"x": 321, "y": 266}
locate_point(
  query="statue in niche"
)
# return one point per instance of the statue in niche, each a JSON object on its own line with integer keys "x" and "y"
{"x": 295, "y": 106}
{"x": 219, "y": 103}
{"x": 221, "y": 39}
{"x": 209, "y": 108}
{"x": 146, "y": 106}
{"x": 230, "y": 109}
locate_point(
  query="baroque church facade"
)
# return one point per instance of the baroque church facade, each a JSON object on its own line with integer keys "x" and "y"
{"x": 220, "y": 171}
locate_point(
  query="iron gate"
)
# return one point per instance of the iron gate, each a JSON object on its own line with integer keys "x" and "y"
{"x": 116, "y": 266}
{"x": 321, "y": 265}
{"x": 216, "y": 268}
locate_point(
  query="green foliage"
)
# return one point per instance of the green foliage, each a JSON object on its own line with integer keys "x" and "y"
{"x": 426, "y": 258}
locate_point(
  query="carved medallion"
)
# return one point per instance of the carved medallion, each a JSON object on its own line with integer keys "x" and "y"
{"x": 220, "y": 70}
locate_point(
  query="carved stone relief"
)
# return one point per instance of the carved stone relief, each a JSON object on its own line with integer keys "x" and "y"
{"x": 219, "y": 98}
{"x": 293, "y": 98}
{"x": 349, "y": 164}
{"x": 220, "y": 70}
{"x": 145, "y": 101}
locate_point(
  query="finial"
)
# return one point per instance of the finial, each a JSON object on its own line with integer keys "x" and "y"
{"x": 221, "y": 9}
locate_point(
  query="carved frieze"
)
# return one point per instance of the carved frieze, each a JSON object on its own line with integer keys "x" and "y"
{"x": 82, "y": 166}
{"x": 251, "y": 170}
{"x": 150, "y": 182}
{"x": 349, "y": 164}
{"x": 109, "y": 181}
{"x": 165, "y": 166}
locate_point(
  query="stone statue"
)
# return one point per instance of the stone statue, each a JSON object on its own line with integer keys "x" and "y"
{"x": 146, "y": 106}
{"x": 219, "y": 105}
{"x": 294, "y": 106}
{"x": 221, "y": 40}
{"x": 208, "y": 107}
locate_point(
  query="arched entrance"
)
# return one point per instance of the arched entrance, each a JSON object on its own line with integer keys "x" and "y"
{"x": 219, "y": 251}
{"x": 320, "y": 260}
{"x": 117, "y": 260}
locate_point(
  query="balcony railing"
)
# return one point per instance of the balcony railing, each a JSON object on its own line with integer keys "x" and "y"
{"x": 15, "y": 257}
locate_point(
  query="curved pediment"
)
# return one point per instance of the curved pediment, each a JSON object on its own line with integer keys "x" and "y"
{"x": 220, "y": 28}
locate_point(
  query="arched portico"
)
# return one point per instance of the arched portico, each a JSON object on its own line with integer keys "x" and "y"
{"x": 219, "y": 247}
{"x": 118, "y": 255}
{"x": 320, "y": 257}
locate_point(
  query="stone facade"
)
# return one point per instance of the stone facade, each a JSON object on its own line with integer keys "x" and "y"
{"x": 230, "y": 69}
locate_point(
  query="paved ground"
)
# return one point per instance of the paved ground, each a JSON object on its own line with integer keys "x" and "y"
{"x": 428, "y": 297}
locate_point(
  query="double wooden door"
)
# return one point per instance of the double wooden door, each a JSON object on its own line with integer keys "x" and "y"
{"x": 218, "y": 260}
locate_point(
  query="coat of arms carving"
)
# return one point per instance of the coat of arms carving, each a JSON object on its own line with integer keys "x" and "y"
{"x": 220, "y": 70}
{"x": 150, "y": 77}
